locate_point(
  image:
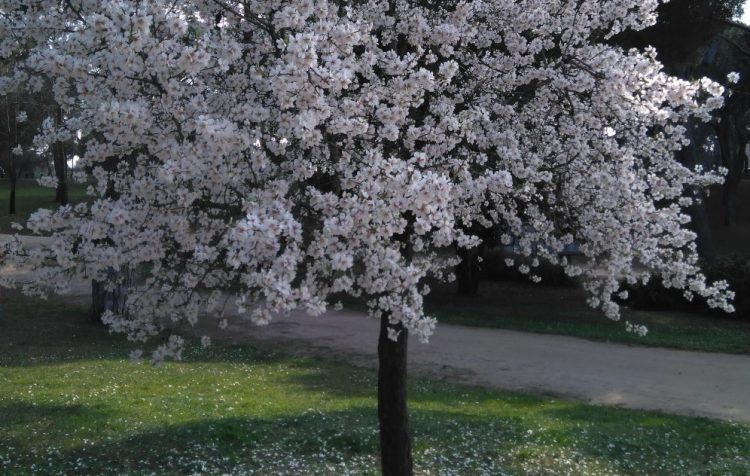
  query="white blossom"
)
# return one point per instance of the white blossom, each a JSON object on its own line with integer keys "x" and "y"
{"x": 49, "y": 181}
{"x": 294, "y": 151}
{"x": 636, "y": 329}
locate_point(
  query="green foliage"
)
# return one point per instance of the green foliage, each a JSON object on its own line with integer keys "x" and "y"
{"x": 71, "y": 404}
{"x": 683, "y": 27}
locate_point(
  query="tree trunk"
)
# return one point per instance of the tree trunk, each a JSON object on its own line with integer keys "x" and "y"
{"x": 98, "y": 300}
{"x": 467, "y": 272}
{"x": 395, "y": 438}
{"x": 731, "y": 158}
{"x": 103, "y": 300}
{"x": 702, "y": 228}
{"x": 58, "y": 154}
{"x": 12, "y": 176}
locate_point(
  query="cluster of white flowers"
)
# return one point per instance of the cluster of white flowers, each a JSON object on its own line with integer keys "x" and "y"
{"x": 641, "y": 330}
{"x": 49, "y": 181}
{"x": 298, "y": 150}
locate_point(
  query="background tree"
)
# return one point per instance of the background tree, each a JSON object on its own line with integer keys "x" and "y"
{"x": 683, "y": 28}
{"x": 727, "y": 55}
{"x": 22, "y": 117}
{"x": 696, "y": 38}
{"x": 295, "y": 151}
{"x": 681, "y": 35}
{"x": 10, "y": 146}
{"x": 19, "y": 114}
{"x": 59, "y": 159}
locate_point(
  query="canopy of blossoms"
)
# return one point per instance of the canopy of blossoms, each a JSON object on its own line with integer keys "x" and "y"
{"x": 286, "y": 153}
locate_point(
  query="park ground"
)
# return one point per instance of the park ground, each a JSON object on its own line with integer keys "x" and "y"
{"x": 72, "y": 403}
{"x": 519, "y": 306}
{"x": 29, "y": 198}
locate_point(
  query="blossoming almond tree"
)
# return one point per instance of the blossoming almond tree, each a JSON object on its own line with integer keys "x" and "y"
{"x": 295, "y": 151}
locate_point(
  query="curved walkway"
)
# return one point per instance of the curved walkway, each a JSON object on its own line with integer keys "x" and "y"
{"x": 691, "y": 383}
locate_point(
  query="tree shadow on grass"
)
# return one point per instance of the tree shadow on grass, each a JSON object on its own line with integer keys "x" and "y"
{"x": 456, "y": 423}
{"x": 683, "y": 444}
{"x": 32, "y": 328}
{"x": 610, "y": 435}
{"x": 24, "y": 427}
{"x": 17, "y": 413}
{"x": 304, "y": 443}
{"x": 326, "y": 442}
{"x": 310, "y": 442}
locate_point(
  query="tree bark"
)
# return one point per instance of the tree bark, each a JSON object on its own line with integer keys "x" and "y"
{"x": 98, "y": 300}
{"x": 702, "y": 228}
{"x": 13, "y": 179}
{"x": 732, "y": 158}
{"x": 103, "y": 300}
{"x": 393, "y": 416}
{"x": 58, "y": 154}
{"x": 467, "y": 272}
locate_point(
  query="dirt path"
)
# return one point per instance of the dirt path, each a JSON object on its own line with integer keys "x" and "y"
{"x": 691, "y": 383}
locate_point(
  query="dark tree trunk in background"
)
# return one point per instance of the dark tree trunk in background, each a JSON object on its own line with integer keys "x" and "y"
{"x": 12, "y": 176}
{"x": 699, "y": 154}
{"x": 58, "y": 154}
{"x": 732, "y": 158}
{"x": 101, "y": 299}
{"x": 98, "y": 300}
{"x": 114, "y": 300}
{"x": 467, "y": 271}
{"x": 702, "y": 228}
{"x": 393, "y": 417}
{"x": 9, "y": 142}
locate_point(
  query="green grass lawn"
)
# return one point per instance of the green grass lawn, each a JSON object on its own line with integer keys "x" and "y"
{"x": 70, "y": 403}
{"x": 29, "y": 198}
{"x": 563, "y": 310}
